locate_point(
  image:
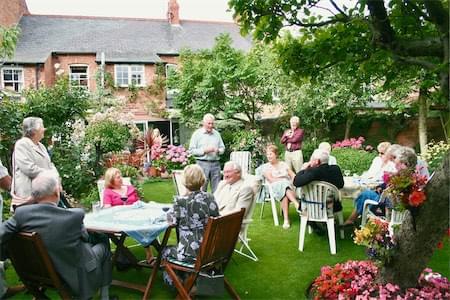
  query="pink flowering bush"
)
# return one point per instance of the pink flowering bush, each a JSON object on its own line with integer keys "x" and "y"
{"x": 355, "y": 143}
{"x": 356, "y": 280}
{"x": 170, "y": 158}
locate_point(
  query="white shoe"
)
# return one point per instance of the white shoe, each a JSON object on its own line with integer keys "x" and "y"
{"x": 286, "y": 225}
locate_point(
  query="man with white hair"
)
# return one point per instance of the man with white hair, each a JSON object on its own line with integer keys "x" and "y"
{"x": 83, "y": 267}
{"x": 292, "y": 139}
{"x": 206, "y": 145}
{"x": 319, "y": 169}
{"x": 232, "y": 194}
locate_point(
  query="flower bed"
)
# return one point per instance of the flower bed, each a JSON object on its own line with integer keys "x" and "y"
{"x": 356, "y": 280}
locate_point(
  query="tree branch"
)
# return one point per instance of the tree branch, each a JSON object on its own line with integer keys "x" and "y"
{"x": 423, "y": 63}
{"x": 338, "y": 8}
{"x": 383, "y": 32}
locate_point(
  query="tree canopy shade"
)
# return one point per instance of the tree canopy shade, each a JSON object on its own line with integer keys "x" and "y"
{"x": 395, "y": 42}
{"x": 225, "y": 82}
{"x": 372, "y": 36}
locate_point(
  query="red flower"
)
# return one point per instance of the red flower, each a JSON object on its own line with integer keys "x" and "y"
{"x": 416, "y": 198}
{"x": 440, "y": 245}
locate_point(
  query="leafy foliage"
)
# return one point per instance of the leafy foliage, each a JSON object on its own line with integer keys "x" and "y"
{"x": 224, "y": 81}
{"x": 108, "y": 135}
{"x": 355, "y": 160}
{"x": 8, "y": 40}
{"x": 58, "y": 106}
{"x": 75, "y": 168}
{"x": 398, "y": 45}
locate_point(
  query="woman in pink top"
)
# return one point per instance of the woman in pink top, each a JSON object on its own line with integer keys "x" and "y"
{"x": 115, "y": 192}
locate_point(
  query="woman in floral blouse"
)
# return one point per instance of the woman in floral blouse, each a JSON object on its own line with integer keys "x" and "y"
{"x": 190, "y": 213}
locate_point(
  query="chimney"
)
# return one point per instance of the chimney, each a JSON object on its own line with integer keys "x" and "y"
{"x": 173, "y": 13}
{"x": 11, "y": 11}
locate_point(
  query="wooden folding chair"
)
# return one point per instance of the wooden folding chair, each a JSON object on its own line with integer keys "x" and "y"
{"x": 177, "y": 177}
{"x": 219, "y": 240}
{"x": 34, "y": 266}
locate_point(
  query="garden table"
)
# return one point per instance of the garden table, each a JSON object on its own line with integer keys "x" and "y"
{"x": 353, "y": 185}
{"x": 141, "y": 221}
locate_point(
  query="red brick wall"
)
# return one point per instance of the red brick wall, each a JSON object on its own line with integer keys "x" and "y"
{"x": 11, "y": 11}
{"x": 65, "y": 60}
{"x": 48, "y": 77}
{"x": 169, "y": 59}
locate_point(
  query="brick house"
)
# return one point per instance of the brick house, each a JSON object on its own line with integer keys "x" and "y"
{"x": 132, "y": 51}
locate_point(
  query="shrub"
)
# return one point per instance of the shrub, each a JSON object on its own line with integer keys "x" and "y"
{"x": 354, "y": 160}
{"x": 308, "y": 148}
{"x": 250, "y": 140}
{"x": 356, "y": 280}
{"x": 75, "y": 166}
{"x": 91, "y": 197}
{"x": 435, "y": 154}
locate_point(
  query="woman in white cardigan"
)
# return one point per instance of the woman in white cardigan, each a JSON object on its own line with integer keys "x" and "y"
{"x": 29, "y": 159}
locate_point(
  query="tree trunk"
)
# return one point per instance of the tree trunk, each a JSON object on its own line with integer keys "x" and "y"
{"x": 348, "y": 126}
{"x": 415, "y": 247}
{"x": 423, "y": 112}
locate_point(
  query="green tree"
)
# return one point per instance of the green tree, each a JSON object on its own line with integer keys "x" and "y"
{"x": 225, "y": 82}
{"x": 106, "y": 135}
{"x": 373, "y": 38}
{"x": 8, "y": 40}
{"x": 58, "y": 106}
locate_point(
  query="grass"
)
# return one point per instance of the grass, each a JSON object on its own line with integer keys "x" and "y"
{"x": 282, "y": 272}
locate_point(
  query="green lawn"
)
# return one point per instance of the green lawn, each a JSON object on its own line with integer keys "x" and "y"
{"x": 282, "y": 272}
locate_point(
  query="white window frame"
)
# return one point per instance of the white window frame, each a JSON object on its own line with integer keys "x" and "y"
{"x": 21, "y": 80}
{"x": 78, "y": 79}
{"x": 129, "y": 75}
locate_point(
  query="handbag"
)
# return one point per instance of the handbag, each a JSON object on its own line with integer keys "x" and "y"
{"x": 210, "y": 283}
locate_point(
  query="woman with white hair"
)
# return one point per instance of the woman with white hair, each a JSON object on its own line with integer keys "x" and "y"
{"x": 30, "y": 158}
{"x": 382, "y": 162}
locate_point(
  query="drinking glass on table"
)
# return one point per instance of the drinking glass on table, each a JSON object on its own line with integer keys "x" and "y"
{"x": 347, "y": 172}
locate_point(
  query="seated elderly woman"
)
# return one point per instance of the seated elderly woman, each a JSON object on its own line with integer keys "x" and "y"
{"x": 116, "y": 193}
{"x": 402, "y": 158}
{"x": 382, "y": 163}
{"x": 279, "y": 176}
{"x": 190, "y": 213}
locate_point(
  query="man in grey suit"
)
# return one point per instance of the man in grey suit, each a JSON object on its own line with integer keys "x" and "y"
{"x": 232, "y": 194}
{"x": 84, "y": 267}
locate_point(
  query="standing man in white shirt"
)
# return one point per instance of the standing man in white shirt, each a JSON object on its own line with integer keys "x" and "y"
{"x": 206, "y": 145}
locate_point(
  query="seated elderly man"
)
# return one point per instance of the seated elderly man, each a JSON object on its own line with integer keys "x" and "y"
{"x": 84, "y": 267}
{"x": 319, "y": 169}
{"x": 232, "y": 194}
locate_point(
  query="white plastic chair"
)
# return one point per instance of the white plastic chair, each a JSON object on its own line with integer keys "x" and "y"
{"x": 245, "y": 249}
{"x": 269, "y": 196}
{"x": 101, "y": 187}
{"x": 315, "y": 208}
{"x": 177, "y": 177}
{"x": 243, "y": 158}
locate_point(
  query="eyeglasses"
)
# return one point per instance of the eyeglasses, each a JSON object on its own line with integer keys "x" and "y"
{"x": 381, "y": 153}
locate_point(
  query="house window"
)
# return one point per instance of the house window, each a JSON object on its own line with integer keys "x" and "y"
{"x": 12, "y": 79}
{"x": 79, "y": 76}
{"x": 126, "y": 75}
{"x": 171, "y": 92}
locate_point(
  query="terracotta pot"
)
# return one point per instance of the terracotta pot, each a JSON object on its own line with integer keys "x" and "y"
{"x": 153, "y": 172}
